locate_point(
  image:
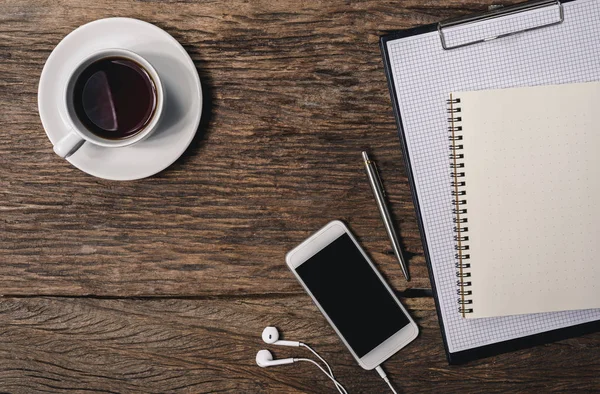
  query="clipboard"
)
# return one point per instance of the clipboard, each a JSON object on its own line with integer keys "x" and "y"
{"x": 504, "y": 47}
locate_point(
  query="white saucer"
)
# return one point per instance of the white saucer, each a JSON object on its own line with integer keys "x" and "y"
{"x": 183, "y": 94}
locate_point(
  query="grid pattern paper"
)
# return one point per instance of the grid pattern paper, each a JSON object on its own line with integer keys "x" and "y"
{"x": 424, "y": 74}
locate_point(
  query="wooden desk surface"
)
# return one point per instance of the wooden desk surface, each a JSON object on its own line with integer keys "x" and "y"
{"x": 165, "y": 284}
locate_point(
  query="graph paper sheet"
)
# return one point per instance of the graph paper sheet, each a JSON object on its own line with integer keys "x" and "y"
{"x": 423, "y": 74}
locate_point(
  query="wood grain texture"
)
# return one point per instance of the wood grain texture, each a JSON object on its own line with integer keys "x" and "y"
{"x": 109, "y": 346}
{"x": 293, "y": 92}
{"x": 164, "y": 284}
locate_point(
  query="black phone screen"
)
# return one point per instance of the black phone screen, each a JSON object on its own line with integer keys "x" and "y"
{"x": 352, "y": 295}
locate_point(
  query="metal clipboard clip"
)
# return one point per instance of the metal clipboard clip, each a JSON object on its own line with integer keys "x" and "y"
{"x": 498, "y": 12}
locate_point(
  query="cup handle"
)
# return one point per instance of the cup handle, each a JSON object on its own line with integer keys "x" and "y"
{"x": 68, "y": 145}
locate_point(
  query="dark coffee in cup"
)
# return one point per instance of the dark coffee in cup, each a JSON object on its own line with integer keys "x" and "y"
{"x": 114, "y": 98}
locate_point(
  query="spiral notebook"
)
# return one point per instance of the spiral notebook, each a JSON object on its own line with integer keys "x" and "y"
{"x": 525, "y": 188}
{"x": 558, "y": 44}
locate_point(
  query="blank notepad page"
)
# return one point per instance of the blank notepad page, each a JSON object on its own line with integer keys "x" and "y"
{"x": 423, "y": 76}
{"x": 531, "y": 167}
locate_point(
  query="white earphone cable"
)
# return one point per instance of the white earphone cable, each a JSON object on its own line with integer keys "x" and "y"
{"x": 324, "y": 362}
{"x": 320, "y": 358}
{"x": 381, "y": 373}
{"x": 339, "y": 386}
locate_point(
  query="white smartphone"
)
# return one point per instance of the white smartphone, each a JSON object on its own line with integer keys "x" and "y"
{"x": 352, "y": 294}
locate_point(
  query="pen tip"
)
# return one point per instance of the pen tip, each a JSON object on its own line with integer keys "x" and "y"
{"x": 365, "y": 156}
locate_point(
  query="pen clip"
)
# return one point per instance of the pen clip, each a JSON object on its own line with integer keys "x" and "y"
{"x": 379, "y": 179}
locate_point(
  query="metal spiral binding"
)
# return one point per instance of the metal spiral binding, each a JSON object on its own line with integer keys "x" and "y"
{"x": 459, "y": 209}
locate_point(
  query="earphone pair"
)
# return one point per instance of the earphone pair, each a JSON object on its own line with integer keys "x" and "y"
{"x": 264, "y": 358}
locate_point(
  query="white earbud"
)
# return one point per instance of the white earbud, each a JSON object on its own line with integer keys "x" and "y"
{"x": 270, "y": 335}
{"x": 264, "y": 358}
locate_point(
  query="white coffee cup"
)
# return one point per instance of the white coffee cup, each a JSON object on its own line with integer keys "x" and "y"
{"x": 78, "y": 133}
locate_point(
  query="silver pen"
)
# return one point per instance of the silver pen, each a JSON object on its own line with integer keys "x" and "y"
{"x": 379, "y": 194}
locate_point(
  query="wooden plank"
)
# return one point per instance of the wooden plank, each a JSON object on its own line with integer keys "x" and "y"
{"x": 209, "y": 345}
{"x": 293, "y": 93}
